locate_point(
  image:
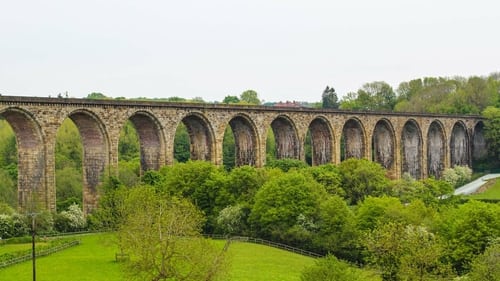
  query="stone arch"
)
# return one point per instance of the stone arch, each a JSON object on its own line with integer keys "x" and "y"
{"x": 459, "y": 145}
{"x": 285, "y": 135}
{"x": 31, "y": 183}
{"x": 245, "y": 140}
{"x": 321, "y": 141}
{"x": 95, "y": 142}
{"x": 353, "y": 135}
{"x": 201, "y": 137}
{"x": 479, "y": 144}
{"x": 436, "y": 149}
{"x": 151, "y": 140}
{"x": 411, "y": 149}
{"x": 384, "y": 144}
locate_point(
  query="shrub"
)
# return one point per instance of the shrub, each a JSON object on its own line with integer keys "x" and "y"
{"x": 5, "y": 226}
{"x": 331, "y": 269}
{"x": 70, "y": 220}
{"x": 457, "y": 176}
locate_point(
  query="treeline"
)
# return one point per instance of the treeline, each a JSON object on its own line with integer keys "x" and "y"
{"x": 405, "y": 228}
{"x": 456, "y": 95}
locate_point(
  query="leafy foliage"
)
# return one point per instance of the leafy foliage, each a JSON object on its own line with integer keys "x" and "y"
{"x": 282, "y": 201}
{"x": 361, "y": 178}
{"x": 162, "y": 234}
{"x": 329, "y": 98}
{"x": 330, "y": 268}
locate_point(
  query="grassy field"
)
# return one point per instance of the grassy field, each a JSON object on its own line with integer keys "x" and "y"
{"x": 493, "y": 192}
{"x": 94, "y": 260}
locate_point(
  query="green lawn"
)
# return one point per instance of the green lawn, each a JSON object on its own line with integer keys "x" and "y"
{"x": 9, "y": 248}
{"x": 94, "y": 260}
{"x": 493, "y": 192}
{"x": 251, "y": 262}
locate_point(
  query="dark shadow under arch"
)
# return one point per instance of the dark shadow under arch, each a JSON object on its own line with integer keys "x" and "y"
{"x": 245, "y": 141}
{"x": 200, "y": 137}
{"x": 95, "y": 155}
{"x": 151, "y": 141}
{"x": 479, "y": 145}
{"x": 321, "y": 141}
{"x": 411, "y": 149}
{"x": 459, "y": 145}
{"x": 436, "y": 150}
{"x": 353, "y": 136}
{"x": 286, "y": 140}
{"x": 384, "y": 143}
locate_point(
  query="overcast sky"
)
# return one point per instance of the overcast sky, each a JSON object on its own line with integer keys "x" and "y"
{"x": 284, "y": 50}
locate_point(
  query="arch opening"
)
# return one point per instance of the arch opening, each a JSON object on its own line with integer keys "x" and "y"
{"x": 353, "y": 140}
{"x": 245, "y": 141}
{"x": 31, "y": 185}
{"x": 68, "y": 166}
{"x": 200, "y": 139}
{"x": 321, "y": 142}
{"x": 285, "y": 139}
{"x": 95, "y": 156}
{"x": 459, "y": 146}
{"x": 435, "y": 150}
{"x": 129, "y": 158}
{"x": 151, "y": 144}
{"x": 383, "y": 144}
{"x": 411, "y": 145}
{"x": 479, "y": 148}
{"x": 8, "y": 165}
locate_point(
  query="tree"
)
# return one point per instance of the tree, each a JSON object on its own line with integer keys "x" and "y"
{"x": 336, "y": 230}
{"x": 406, "y": 252}
{"x": 375, "y": 211}
{"x": 361, "y": 177}
{"x": 372, "y": 96}
{"x": 468, "y": 229}
{"x": 283, "y": 202}
{"x": 486, "y": 267}
{"x": 128, "y": 145}
{"x": 329, "y": 176}
{"x": 228, "y": 149}
{"x": 202, "y": 183}
{"x": 249, "y": 97}
{"x": 162, "y": 235}
{"x": 181, "y": 144}
{"x": 286, "y": 164}
{"x": 96, "y": 96}
{"x": 329, "y": 98}
{"x": 231, "y": 99}
{"x": 330, "y": 268}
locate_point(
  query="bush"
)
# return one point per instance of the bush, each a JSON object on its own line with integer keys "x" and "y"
{"x": 457, "y": 176}
{"x": 331, "y": 269}
{"x": 19, "y": 225}
{"x": 5, "y": 226}
{"x": 44, "y": 222}
{"x": 70, "y": 220}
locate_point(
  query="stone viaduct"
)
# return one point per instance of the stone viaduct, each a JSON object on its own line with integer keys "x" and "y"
{"x": 419, "y": 144}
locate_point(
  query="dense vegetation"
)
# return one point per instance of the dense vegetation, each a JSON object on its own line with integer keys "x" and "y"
{"x": 351, "y": 211}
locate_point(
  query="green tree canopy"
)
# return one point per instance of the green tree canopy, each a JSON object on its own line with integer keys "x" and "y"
{"x": 249, "y": 97}
{"x": 329, "y": 98}
{"x": 282, "y": 200}
{"x": 162, "y": 235}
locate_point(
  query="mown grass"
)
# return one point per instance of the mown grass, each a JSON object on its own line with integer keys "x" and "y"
{"x": 492, "y": 193}
{"x": 251, "y": 262}
{"x": 94, "y": 260}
